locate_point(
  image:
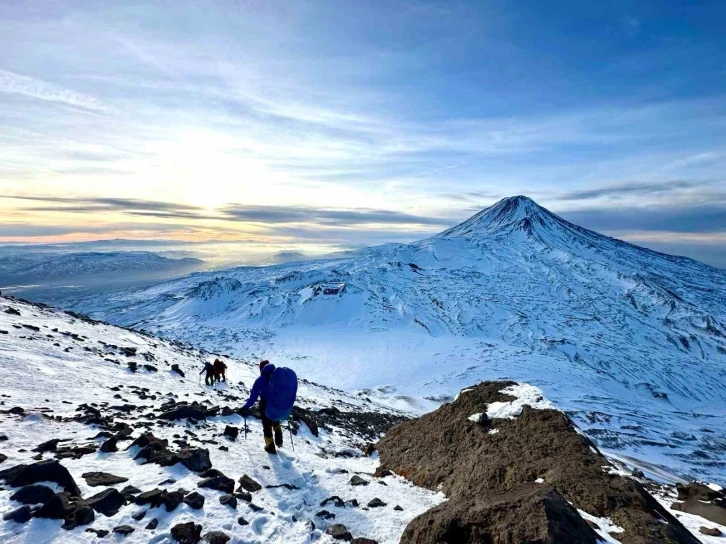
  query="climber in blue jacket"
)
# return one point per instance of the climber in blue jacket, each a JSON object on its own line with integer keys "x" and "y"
{"x": 260, "y": 390}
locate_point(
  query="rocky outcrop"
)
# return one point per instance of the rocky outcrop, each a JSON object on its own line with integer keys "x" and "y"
{"x": 522, "y": 483}
{"x": 703, "y": 501}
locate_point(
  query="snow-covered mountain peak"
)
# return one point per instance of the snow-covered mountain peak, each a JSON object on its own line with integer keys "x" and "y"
{"x": 511, "y": 213}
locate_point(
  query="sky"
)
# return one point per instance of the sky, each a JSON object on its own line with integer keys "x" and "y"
{"x": 322, "y": 125}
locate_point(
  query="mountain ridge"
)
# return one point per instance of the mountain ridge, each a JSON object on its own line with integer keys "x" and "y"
{"x": 604, "y": 327}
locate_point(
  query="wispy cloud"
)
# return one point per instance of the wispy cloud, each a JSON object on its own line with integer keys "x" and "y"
{"x": 13, "y": 83}
{"x": 102, "y": 204}
{"x": 326, "y": 216}
{"x": 631, "y": 189}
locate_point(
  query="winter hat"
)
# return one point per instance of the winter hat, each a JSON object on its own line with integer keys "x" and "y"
{"x": 263, "y": 364}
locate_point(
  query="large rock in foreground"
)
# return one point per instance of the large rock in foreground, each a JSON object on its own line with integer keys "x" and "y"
{"x": 516, "y": 480}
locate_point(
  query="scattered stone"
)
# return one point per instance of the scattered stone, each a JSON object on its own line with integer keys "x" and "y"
{"x": 243, "y": 495}
{"x": 138, "y": 516}
{"x": 83, "y": 515}
{"x": 216, "y": 537}
{"x": 3, "y": 437}
{"x": 33, "y": 494}
{"x": 325, "y": 515}
{"x": 376, "y": 503}
{"x": 95, "y": 479}
{"x": 357, "y": 480}
{"x": 11, "y": 311}
{"x": 75, "y": 452}
{"x": 338, "y": 531}
{"x": 242, "y": 521}
{"x": 123, "y": 530}
{"x": 228, "y": 500}
{"x": 20, "y": 515}
{"x": 153, "y": 524}
{"x": 50, "y": 445}
{"x": 363, "y": 540}
{"x": 100, "y": 533}
{"x": 175, "y": 368}
{"x": 172, "y": 499}
{"x": 194, "y": 500}
{"x": 220, "y": 483}
{"x": 152, "y": 497}
{"x": 55, "y": 508}
{"x": 129, "y": 492}
{"x": 42, "y": 471}
{"x": 231, "y": 432}
{"x": 17, "y": 410}
{"x": 337, "y": 501}
{"x": 3, "y": 457}
{"x": 187, "y": 533}
{"x": 398, "y": 508}
{"x": 106, "y": 502}
{"x": 185, "y": 411}
{"x": 248, "y": 484}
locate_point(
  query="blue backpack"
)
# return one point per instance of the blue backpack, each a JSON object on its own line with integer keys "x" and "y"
{"x": 281, "y": 393}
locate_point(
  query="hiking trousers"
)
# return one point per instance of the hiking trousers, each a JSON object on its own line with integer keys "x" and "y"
{"x": 267, "y": 423}
{"x": 209, "y": 378}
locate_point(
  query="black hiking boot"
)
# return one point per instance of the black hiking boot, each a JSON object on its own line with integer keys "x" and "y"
{"x": 278, "y": 436}
{"x": 270, "y": 446}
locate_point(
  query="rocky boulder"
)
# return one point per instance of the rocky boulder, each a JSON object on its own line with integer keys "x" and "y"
{"x": 42, "y": 471}
{"x": 493, "y": 480}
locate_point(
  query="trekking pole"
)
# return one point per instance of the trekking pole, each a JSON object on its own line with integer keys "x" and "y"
{"x": 289, "y": 428}
{"x": 245, "y": 427}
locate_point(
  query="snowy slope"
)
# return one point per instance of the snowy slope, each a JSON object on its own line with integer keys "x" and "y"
{"x": 28, "y": 266}
{"x": 52, "y": 363}
{"x": 631, "y": 342}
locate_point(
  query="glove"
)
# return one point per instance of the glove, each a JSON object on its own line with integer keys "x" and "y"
{"x": 244, "y": 412}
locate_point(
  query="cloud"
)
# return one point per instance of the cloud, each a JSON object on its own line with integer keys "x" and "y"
{"x": 681, "y": 219}
{"x": 628, "y": 190}
{"x": 103, "y": 204}
{"x": 326, "y": 216}
{"x": 269, "y": 215}
{"x": 13, "y": 83}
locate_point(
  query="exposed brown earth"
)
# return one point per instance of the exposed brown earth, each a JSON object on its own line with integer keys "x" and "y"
{"x": 490, "y": 479}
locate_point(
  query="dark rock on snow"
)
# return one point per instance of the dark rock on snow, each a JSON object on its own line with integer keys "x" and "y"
{"x": 107, "y": 502}
{"x": 488, "y": 479}
{"x": 95, "y": 479}
{"x": 249, "y": 484}
{"x": 21, "y": 515}
{"x": 153, "y": 524}
{"x": 220, "y": 483}
{"x": 42, "y": 471}
{"x": 338, "y": 531}
{"x": 187, "y": 533}
{"x": 123, "y": 530}
{"x": 228, "y": 500}
{"x": 194, "y": 500}
{"x": 357, "y": 480}
{"x": 110, "y": 445}
{"x": 231, "y": 432}
{"x": 33, "y": 494}
{"x": 216, "y": 537}
{"x": 55, "y": 508}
